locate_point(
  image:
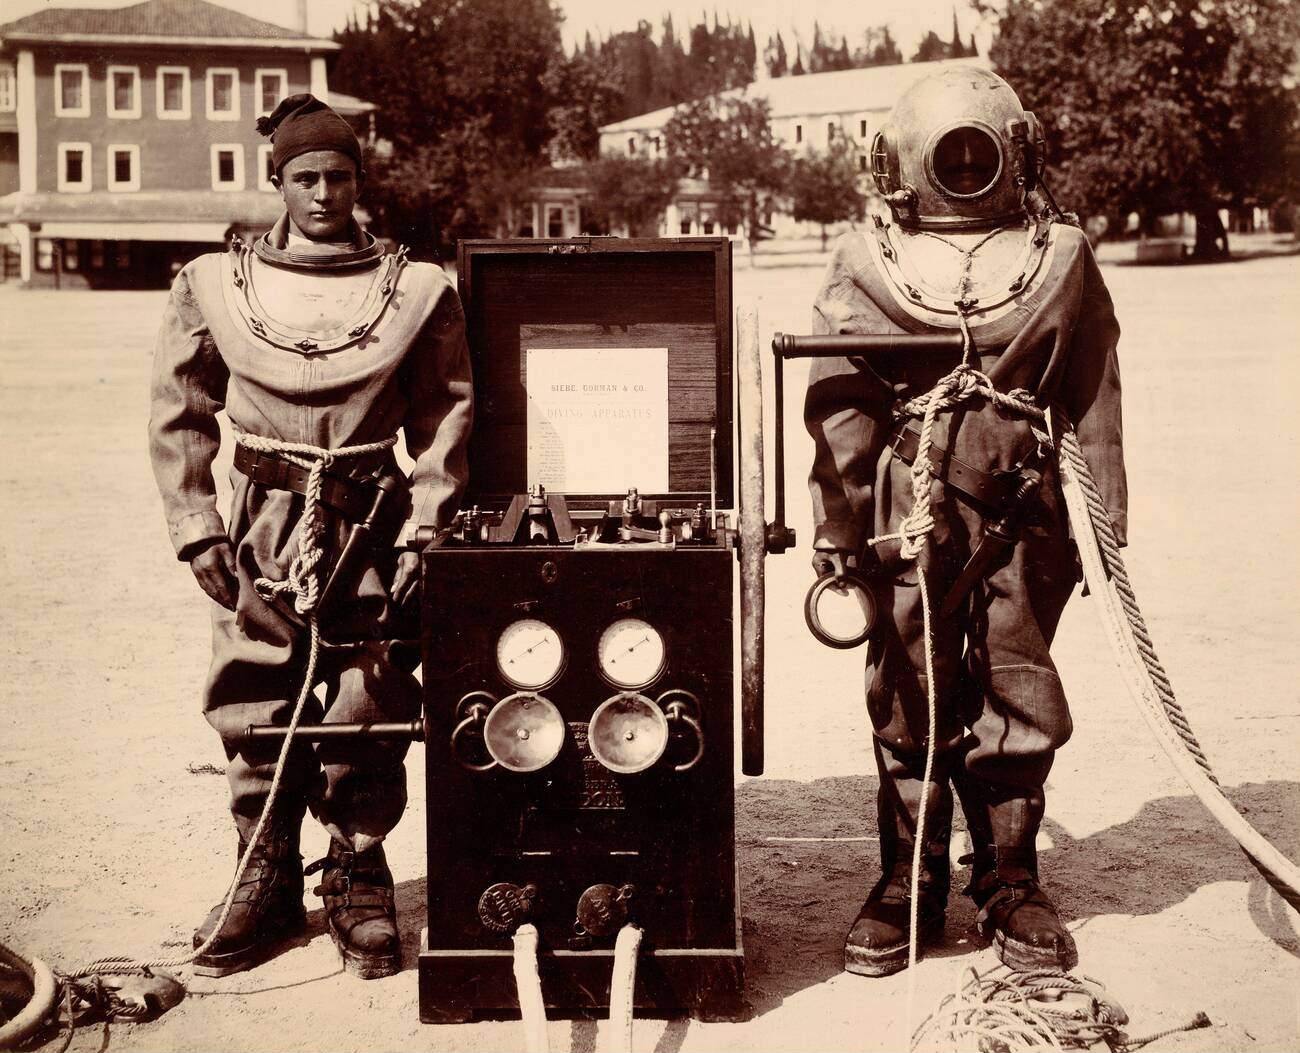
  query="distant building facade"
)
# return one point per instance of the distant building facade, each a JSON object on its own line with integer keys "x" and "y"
{"x": 127, "y": 140}
{"x": 808, "y": 113}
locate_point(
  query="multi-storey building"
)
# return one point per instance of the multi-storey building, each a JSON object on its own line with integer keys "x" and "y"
{"x": 127, "y": 139}
{"x": 807, "y": 113}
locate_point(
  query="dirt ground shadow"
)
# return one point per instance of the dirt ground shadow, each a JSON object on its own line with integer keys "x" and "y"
{"x": 800, "y": 896}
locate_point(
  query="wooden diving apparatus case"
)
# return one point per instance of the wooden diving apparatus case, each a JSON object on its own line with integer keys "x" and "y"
{"x": 577, "y": 634}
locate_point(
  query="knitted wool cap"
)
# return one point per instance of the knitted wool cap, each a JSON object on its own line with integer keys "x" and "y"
{"x": 302, "y": 123}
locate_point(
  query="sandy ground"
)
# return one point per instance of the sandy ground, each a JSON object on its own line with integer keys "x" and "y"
{"x": 112, "y": 810}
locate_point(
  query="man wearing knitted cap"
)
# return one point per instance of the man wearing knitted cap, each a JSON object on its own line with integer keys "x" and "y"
{"x": 320, "y": 346}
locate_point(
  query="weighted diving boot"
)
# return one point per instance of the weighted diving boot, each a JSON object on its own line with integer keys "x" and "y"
{"x": 877, "y": 943}
{"x": 1015, "y": 914}
{"x": 267, "y": 907}
{"x": 357, "y": 888}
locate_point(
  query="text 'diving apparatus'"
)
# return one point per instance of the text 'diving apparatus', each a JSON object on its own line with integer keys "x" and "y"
{"x": 577, "y": 633}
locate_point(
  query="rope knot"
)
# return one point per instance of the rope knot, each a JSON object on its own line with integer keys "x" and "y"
{"x": 304, "y": 577}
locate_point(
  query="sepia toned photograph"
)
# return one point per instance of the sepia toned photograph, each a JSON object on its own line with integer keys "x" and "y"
{"x": 539, "y": 525}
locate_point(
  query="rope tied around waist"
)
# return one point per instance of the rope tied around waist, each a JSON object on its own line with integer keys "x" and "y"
{"x": 963, "y": 383}
{"x": 303, "y": 580}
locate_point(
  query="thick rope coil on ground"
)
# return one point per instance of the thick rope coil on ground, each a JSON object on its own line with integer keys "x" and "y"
{"x": 304, "y": 582}
{"x": 1021, "y": 1012}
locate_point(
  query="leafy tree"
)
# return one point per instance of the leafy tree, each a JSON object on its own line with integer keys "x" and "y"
{"x": 878, "y": 49}
{"x": 1189, "y": 111}
{"x": 931, "y": 48}
{"x": 774, "y": 57}
{"x": 466, "y": 109}
{"x": 729, "y": 139}
{"x": 630, "y": 193}
{"x": 824, "y": 188}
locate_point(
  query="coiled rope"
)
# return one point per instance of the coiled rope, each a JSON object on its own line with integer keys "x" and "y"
{"x": 304, "y": 582}
{"x": 1020, "y": 1012}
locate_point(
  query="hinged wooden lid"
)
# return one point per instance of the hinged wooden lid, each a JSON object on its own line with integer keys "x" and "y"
{"x": 672, "y": 293}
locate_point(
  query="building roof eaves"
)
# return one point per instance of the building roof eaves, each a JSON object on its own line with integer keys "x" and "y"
{"x": 149, "y": 40}
{"x": 810, "y": 95}
{"x": 244, "y": 206}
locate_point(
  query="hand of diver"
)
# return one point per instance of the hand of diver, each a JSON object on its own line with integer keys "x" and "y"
{"x": 406, "y": 579}
{"x": 214, "y": 570}
{"x": 835, "y": 561}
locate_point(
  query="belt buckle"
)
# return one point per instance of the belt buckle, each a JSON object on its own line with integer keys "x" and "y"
{"x": 265, "y": 471}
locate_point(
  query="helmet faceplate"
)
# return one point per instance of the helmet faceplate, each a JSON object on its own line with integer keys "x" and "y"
{"x": 958, "y": 152}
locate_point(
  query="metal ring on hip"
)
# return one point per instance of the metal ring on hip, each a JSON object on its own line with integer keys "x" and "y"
{"x": 677, "y": 713}
{"x": 844, "y": 582}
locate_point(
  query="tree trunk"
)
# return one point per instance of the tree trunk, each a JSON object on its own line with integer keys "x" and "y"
{"x": 1211, "y": 238}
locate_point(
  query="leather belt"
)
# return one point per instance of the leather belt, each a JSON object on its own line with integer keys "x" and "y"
{"x": 993, "y": 492}
{"x": 352, "y": 497}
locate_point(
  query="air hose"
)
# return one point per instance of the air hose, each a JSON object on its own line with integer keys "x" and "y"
{"x": 528, "y": 983}
{"x": 1145, "y": 677}
{"x": 621, "y": 990}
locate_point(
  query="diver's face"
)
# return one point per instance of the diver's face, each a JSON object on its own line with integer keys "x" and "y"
{"x": 319, "y": 190}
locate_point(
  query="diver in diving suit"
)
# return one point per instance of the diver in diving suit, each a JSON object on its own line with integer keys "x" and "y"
{"x": 971, "y": 245}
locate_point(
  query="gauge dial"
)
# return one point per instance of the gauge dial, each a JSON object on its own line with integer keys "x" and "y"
{"x": 530, "y": 654}
{"x": 631, "y": 653}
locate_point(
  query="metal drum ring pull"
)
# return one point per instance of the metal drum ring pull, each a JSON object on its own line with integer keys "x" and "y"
{"x": 844, "y": 584}
{"x": 678, "y": 712}
{"x": 476, "y": 713}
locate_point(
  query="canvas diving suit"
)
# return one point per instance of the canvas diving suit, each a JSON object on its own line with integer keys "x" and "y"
{"x": 332, "y": 356}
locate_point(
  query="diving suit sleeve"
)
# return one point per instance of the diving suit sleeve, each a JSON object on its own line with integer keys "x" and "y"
{"x": 846, "y": 409}
{"x": 1093, "y": 393}
{"x": 187, "y": 390}
{"x": 440, "y": 415}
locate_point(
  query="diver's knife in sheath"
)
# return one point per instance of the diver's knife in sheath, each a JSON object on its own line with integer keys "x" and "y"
{"x": 999, "y": 538}
{"x": 360, "y": 538}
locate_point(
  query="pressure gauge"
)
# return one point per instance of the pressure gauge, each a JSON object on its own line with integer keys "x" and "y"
{"x": 631, "y": 653}
{"x": 530, "y": 654}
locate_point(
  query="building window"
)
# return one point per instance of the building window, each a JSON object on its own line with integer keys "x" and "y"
{"x": 123, "y": 168}
{"x": 122, "y": 255}
{"x": 655, "y": 142}
{"x": 272, "y": 86}
{"x": 96, "y": 255}
{"x": 124, "y": 92}
{"x": 74, "y": 168}
{"x": 227, "y": 166}
{"x": 44, "y": 254}
{"x": 8, "y": 92}
{"x": 174, "y": 93}
{"x": 265, "y": 167}
{"x": 862, "y": 162}
{"x": 554, "y": 221}
{"x": 223, "y": 94}
{"x": 862, "y": 128}
{"x": 686, "y": 224}
{"x": 71, "y": 90}
{"x": 631, "y": 146}
{"x": 71, "y": 255}
{"x": 798, "y": 133}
